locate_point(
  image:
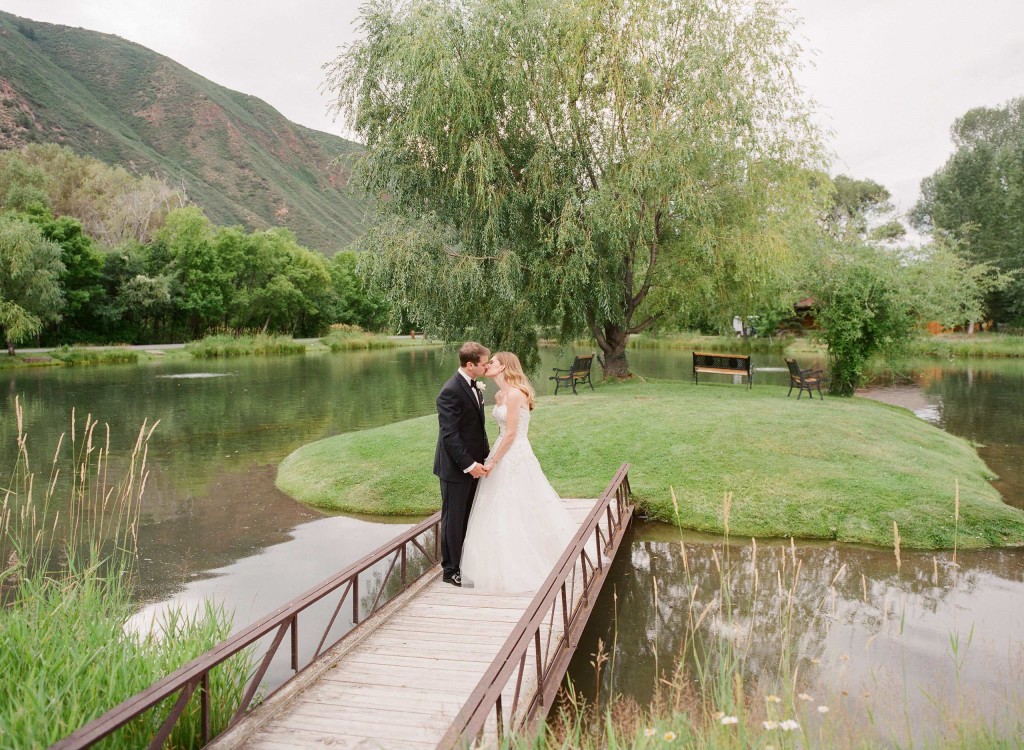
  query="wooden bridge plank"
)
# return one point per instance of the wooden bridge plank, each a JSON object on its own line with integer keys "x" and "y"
{"x": 356, "y": 698}
{"x": 382, "y": 731}
{"x": 372, "y": 717}
{"x": 392, "y": 643}
{"x": 287, "y": 737}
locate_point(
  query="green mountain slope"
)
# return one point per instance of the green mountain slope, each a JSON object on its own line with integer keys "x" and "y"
{"x": 117, "y": 101}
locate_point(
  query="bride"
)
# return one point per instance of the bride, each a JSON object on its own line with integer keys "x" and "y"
{"x": 518, "y": 527}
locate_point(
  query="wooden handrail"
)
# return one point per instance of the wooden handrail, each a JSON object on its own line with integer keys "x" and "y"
{"x": 473, "y": 716}
{"x": 283, "y": 618}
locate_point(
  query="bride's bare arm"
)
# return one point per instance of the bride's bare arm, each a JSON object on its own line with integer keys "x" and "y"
{"x": 513, "y": 401}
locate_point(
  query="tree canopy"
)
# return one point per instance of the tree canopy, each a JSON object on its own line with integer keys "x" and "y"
{"x": 589, "y": 166}
{"x": 30, "y": 271}
{"x": 978, "y": 198}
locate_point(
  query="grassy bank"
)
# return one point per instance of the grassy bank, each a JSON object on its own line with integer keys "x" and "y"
{"x": 260, "y": 344}
{"x": 77, "y": 356}
{"x": 219, "y": 346}
{"x": 843, "y": 469}
{"x": 958, "y": 345}
{"x": 701, "y": 343}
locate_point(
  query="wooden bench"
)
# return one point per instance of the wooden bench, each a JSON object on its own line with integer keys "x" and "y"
{"x": 578, "y": 373}
{"x": 723, "y": 364}
{"x": 805, "y": 380}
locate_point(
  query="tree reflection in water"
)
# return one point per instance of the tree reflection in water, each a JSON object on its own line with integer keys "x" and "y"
{"x": 858, "y": 633}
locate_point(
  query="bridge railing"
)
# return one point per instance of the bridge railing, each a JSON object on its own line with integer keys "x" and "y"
{"x": 546, "y": 636}
{"x": 407, "y": 557}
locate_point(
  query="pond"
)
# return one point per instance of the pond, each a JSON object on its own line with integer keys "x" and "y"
{"x": 214, "y": 525}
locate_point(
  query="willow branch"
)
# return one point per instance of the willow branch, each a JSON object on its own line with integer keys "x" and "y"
{"x": 594, "y": 329}
{"x": 641, "y": 327}
{"x": 455, "y": 254}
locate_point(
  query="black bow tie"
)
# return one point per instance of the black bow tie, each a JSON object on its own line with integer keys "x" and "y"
{"x": 472, "y": 383}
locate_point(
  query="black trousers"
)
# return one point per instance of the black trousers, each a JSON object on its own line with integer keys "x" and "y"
{"x": 456, "y": 502}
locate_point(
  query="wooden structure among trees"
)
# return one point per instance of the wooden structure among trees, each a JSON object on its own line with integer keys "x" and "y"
{"x": 419, "y": 664}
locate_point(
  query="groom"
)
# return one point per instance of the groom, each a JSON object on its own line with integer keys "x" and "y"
{"x": 461, "y": 449}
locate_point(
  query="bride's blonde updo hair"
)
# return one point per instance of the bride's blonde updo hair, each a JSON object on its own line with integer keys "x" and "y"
{"x": 515, "y": 376}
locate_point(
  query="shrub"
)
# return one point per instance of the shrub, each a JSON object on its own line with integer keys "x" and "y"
{"x": 226, "y": 345}
{"x": 77, "y": 356}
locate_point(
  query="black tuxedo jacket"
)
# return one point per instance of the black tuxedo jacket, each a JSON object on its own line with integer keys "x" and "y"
{"x": 462, "y": 438}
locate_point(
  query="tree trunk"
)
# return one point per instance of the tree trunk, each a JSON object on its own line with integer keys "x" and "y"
{"x": 10, "y": 347}
{"x": 613, "y": 340}
{"x": 970, "y": 328}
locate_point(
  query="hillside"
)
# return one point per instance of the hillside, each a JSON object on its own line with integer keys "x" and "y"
{"x": 117, "y": 101}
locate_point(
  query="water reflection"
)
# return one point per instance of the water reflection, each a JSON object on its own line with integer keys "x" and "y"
{"x": 260, "y": 583}
{"x": 980, "y": 401}
{"x": 868, "y": 636}
{"x": 210, "y": 498}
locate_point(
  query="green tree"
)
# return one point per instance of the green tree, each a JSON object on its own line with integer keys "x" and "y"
{"x": 81, "y": 281}
{"x": 30, "y": 270}
{"x": 862, "y": 306}
{"x": 138, "y": 287}
{"x": 952, "y": 289}
{"x": 22, "y": 186}
{"x": 354, "y": 304}
{"x": 871, "y": 299}
{"x": 589, "y": 165}
{"x": 278, "y": 284}
{"x": 202, "y": 288}
{"x": 143, "y": 302}
{"x": 862, "y": 208}
{"x": 978, "y": 198}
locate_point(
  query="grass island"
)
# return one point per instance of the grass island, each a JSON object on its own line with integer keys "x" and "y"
{"x": 843, "y": 469}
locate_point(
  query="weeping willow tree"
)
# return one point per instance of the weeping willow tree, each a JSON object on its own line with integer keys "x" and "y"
{"x": 591, "y": 166}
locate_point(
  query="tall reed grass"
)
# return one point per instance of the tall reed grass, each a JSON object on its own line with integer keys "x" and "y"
{"x": 344, "y": 338}
{"x": 721, "y": 691}
{"x": 68, "y": 543}
{"x": 225, "y": 345}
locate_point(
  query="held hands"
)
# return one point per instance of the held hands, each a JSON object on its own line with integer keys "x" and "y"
{"x": 481, "y": 471}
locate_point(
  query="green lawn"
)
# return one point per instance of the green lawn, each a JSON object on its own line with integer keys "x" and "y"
{"x": 840, "y": 469}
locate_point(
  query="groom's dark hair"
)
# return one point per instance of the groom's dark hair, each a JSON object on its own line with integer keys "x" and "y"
{"x": 471, "y": 351}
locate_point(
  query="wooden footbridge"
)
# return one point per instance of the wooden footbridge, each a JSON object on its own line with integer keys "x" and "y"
{"x": 404, "y": 661}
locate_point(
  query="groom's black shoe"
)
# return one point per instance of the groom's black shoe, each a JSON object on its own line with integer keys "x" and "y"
{"x": 455, "y": 579}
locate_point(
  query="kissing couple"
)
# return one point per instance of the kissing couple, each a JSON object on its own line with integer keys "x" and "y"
{"x": 503, "y": 526}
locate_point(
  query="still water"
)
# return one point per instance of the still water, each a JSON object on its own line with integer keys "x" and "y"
{"x": 214, "y": 525}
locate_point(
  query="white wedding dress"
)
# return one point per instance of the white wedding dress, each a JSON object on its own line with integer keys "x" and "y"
{"x": 518, "y": 527}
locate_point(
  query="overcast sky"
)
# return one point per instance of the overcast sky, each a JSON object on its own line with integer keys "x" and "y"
{"x": 890, "y": 76}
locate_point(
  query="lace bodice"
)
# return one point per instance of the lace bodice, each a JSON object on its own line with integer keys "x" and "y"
{"x": 500, "y": 413}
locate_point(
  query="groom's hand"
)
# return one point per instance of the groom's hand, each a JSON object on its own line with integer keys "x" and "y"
{"x": 478, "y": 471}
